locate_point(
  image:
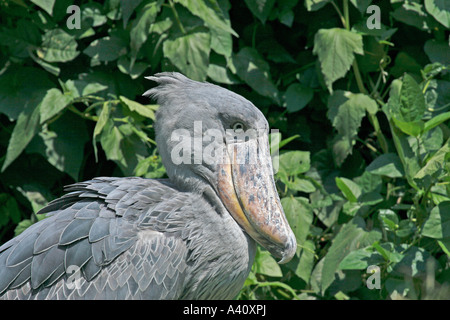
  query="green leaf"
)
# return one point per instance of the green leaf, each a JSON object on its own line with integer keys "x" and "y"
{"x": 139, "y": 108}
{"x": 122, "y": 145}
{"x": 62, "y": 144}
{"x": 297, "y": 96}
{"x": 361, "y": 5}
{"x": 350, "y": 189}
{"x": 361, "y": 259}
{"x": 92, "y": 13}
{"x": 58, "y": 46}
{"x": 150, "y": 167}
{"x": 436, "y": 120}
{"x": 53, "y": 103}
{"x": 26, "y": 127}
{"x": 36, "y": 194}
{"x": 306, "y": 263}
{"x": 110, "y": 139}
{"x": 405, "y": 228}
{"x": 445, "y": 246}
{"x": 412, "y": 101}
{"x": 413, "y": 14}
{"x": 221, "y": 42}
{"x": 341, "y": 148}
{"x": 381, "y": 34}
{"x": 221, "y": 74}
{"x": 294, "y": 162}
{"x": 302, "y": 185}
{"x": 437, "y": 51}
{"x": 352, "y": 236}
{"x": 84, "y": 87}
{"x": 47, "y": 5}
{"x": 211, "y": 13}
{"x": 46, "y": 66}
{"x": 260, "y": 8}
{"x": 437, "y": 226}
{"x": 369, "y": 182}
{"x": 190, "y": 53}
{"x": 363, "y": 99}
{"x": 436, "y": 163}
{"x": 413, "y": 263}
{"x": 19, "y": 89}
{"x": 407, "y": 155}
{"x": 314, "y": 5}
{"x": 286, "y": 17}
{"x": 25, "y": 224}
{"x": 404, "y": 62}
{"x": 386, "y": 254}
{"x": 9, "y": 210}
{"x": 388, "y": 219}
{"x": 299, "y": 215}
{"x": 394, "y": 99}
{"x": 101, "y": 122}
{"x": 265, "y": 264}
{"x": 336, "y": 48}
{"x": 142, "y": 25}
{"x": 133, "y": 69}
{"x": 22, "y": 226}
{"x": 106, "y": 49}
{"x": 370, "y": 199}
{"x": 128, "y": 7}
{"x": 402, "y": 143}
{"x": 388, "y": 164}
{"x": 255, "y": 71}
{"x": 440, "y": 10}
{"x": 398, "y": 289}
{"x": 346, "y": 111}
{"x": 21, "y": 40}
{"x": 413, "y": 128}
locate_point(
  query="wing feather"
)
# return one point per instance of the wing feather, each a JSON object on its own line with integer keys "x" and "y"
{"x": 98, "y": 227}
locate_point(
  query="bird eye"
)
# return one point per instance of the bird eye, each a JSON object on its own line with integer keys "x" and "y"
{"x": 238, "y": 126}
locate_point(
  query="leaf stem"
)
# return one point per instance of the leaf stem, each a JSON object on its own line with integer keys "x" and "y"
{"x": 346, "y": 15}
{"x": 82, "y": 114}
{"x": 339, "y": 13}
{"x": 278, "y": 284}
{"x": 177, "y": 17}
{"x": 359, "y": 81}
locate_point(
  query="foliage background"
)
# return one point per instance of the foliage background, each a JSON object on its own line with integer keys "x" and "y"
{"x": 363, "y": 116}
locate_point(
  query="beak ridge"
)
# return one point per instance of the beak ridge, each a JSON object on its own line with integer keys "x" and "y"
{"x": 247, "y": 188}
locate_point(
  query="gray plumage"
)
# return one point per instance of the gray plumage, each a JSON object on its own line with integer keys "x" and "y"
{"x": 135, "y": 238}
{"x": 139, "y": 240}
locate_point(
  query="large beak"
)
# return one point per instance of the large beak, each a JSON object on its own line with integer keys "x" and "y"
{"x": 247, "y": 188}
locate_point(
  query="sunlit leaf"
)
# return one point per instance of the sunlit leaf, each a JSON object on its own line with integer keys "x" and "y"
{"x": 438, "y": 224}
{"x": 255, "y": 71}
{"x": 336, "y": 49}
{"x": 190, "y": 53}
{"x": 388, "y": 164}
{"x": 299, "y": 214}
{"x": 352, "y": 236}
{"x": 440, "y": 10}
{"x": 26, "y": 127}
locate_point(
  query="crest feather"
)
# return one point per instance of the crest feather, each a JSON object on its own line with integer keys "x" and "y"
{"x": 168, "y": 82}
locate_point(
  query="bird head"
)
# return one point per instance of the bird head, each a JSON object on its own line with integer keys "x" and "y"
{"x": 214, "y": 141}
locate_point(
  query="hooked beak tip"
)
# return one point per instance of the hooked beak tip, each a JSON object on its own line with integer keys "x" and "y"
{"x": 289, "y": 251}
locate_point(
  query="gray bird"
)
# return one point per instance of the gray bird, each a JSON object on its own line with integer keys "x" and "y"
{"x": 192, "y": 236}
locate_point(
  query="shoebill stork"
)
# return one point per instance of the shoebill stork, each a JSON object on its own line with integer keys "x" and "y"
{"x": 191, "y": 236}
